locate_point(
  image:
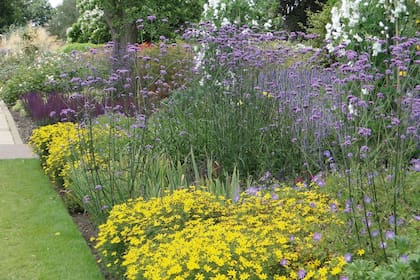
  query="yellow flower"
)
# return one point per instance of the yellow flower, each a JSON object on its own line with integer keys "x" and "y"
{"x": 199, "y": 276}
{"x": 336, "y": 270}
{"x": 402, "y": 73}
{"x": 361, "y": 252}
{"x": 267, "y": 94}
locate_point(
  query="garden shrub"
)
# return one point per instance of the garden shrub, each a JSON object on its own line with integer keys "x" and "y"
{"x": 159, "y": 69}
{"x": 41, "y": 75}
{"x": 80, "y": 47}
{"x": 52, "y": 143}
{"x": 191, "y": 234}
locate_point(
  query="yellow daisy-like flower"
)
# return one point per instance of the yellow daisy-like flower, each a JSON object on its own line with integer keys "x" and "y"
{"x": 361, "y": 252}
{"x": 267, "y": 94}
{"x": 335, "y": 271}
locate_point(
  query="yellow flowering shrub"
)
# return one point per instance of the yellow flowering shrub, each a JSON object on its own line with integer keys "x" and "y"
{"x": 52, "y": 143}
{"x": 57, "y": 145}
{"x": 191, "y": 234}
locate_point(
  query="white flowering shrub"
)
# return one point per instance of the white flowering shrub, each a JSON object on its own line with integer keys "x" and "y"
{"x": 90, "y": 26}
{"x": 263, "y": 14}
{"x": 369, "y": 24}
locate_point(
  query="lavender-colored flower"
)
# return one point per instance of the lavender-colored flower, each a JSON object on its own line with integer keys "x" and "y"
{"x": 367, "y": 199}
{"x": 416, "y": 217}
{"x": 86, "y": 199}
{"x": 148, "y": 147}
{"x": 301, "y": 273}
{"x": 319, "y": 180}
{"x": 364, "y": 149}
{"x": 104, "y": 207}
{"x": 365, "y": 132}
{"x": 344, "y": 277}
{"x": 375, "y": 233}
{"x": 333, "y": 207}
{"x": 383, "y": 245}
{"x": 283, "y": 262}
{"x": 267, "y": 176}
{"x": 348, "y": 257}
{"x": 252, "y": 190}
{"x": 151, "y": 18}
{"x": 389, "y": 234}
{"x": 98, "y": 187}
{"x": 404, "y": 258}
{"x": 415, "y": 164}
{"x": 395, "y": 121}
{"x": 317, "y": 236}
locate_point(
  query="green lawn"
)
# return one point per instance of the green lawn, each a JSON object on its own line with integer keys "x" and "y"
{"x": 38, "y": 238}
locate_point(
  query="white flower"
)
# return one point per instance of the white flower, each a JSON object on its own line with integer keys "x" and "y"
{"x": 268, "y": 25}
{"x": 225, "y": 21}
{"x": 365, "y": 91}
{"x": 376, "y": 48}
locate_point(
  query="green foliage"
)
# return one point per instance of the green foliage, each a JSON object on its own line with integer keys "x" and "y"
{"x": 404, "y": 267}
{"x": 101, "y": 18}
{"x": 228, "y": 129}
{"x": 317, "y": 20}
{"x": 79, "y": 47}
{"x": 39, "y": 12}
{"x": 295, "y": 13}
{"x": 38, "y": 76}
{"x": 90, "y": 25}
{"x": 10, "y": 13}
{"x": 63, "y": 18}
{"x": 20, "y": 12}
{"x": 261, "y": 13}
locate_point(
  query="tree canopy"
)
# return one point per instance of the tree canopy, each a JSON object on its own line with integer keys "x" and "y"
{"x": 19, "y": 12}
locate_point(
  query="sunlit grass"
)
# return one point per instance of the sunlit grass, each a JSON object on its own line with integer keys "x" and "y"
{"x": 38, "y": 238}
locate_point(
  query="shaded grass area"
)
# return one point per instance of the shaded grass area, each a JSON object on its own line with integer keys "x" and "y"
{"x": 38, "y": 238}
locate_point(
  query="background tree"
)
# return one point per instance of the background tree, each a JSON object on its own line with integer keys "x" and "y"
{"x": 158, "y": 17}
{"x": 19, "y": 12}
{"x": 11, "y": 13}
{"x": 38, "y": 12}
{"x": 295, "y": 12}
{"x": 64, "y": 16}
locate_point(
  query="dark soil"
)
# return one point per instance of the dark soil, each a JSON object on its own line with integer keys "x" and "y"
{"x": 25, "y": 126}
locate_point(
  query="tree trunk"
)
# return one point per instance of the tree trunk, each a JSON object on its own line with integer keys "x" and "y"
{"x": 122, "y": 32}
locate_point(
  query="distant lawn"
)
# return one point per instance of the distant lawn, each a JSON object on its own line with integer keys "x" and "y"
{"x": 38, "y": 238}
